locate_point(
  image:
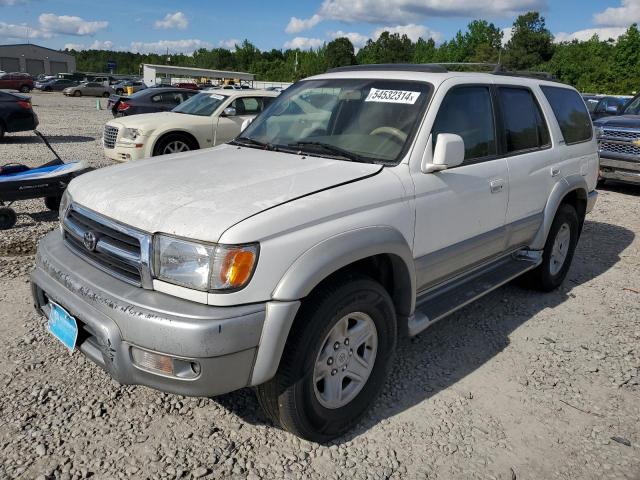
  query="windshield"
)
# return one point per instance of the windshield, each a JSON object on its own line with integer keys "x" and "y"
{"x": 203, "y": 104}
{"x": 358, "y": 119}
{"x": 634, "y": 107}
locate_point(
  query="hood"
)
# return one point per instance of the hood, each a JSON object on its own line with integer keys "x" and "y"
{"x": 150, "y": 121}
{"x": 201, "y": 194}
{"x": 620, "y": 121}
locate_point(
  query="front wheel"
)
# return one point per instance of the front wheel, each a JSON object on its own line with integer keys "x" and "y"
{"x": 335, "y": 361}
{"x": 77, "y": 93}
{"x": 173, "y": 143}
{"x": 25, "y": 89}
{"x": 558, "y": 250}
{"x": 106, "y": 95}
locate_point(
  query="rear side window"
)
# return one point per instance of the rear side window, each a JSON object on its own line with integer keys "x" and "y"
{"x": 468, "y": 112}
{"x": 524, "y": 126}
{"x": 571, "y": 113}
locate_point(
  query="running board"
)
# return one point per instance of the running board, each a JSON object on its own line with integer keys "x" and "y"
{"x": 443, "y": 300}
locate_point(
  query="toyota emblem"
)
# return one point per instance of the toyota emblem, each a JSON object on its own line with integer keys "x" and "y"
{"x": 89, "y": 240}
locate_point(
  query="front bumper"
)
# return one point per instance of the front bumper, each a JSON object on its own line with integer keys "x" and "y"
{"x": 113, "y": 317}
{"x": 126, "y": 152}
{"x": 619, "y": 169}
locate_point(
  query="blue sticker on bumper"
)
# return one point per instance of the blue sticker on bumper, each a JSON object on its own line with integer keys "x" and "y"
{"x": 63, "y": 326}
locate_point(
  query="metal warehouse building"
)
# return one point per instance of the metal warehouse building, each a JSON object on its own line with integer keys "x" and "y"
{"x": 34, "y": 59}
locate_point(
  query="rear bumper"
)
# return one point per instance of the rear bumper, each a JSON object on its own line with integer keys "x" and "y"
{"x": 114, "y": 317}
{"x": 619, "y": 169}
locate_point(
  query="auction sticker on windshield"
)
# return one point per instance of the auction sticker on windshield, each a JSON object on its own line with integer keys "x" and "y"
{"x": 392, "y": 96}
{"x": 216, "y": 96}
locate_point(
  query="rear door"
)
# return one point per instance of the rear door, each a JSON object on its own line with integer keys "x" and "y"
{"x": 534, "y": 166}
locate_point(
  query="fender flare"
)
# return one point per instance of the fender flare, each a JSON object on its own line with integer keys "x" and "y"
{"x": 561, "y": 189}
{"x": 336, "y": 252}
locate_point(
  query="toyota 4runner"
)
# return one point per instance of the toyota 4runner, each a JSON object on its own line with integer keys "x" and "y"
{"x": 362, "y": 204}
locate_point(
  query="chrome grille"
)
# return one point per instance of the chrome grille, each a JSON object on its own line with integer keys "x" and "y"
{"x": 118, "y": 250}
{"x": 625, "y": 148}
{"x": 625, "y": 134}
{"x": 109, "y": 136}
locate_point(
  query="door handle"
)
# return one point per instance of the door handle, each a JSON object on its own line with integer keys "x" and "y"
{"x": 496, "y": 185}
{"x": 555, "y": 171}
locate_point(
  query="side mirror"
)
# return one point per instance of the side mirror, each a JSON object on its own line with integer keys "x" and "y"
{"x": 245, "y": 124}
{"x": 229, "y": 112}
{"x": 448, "y": 153}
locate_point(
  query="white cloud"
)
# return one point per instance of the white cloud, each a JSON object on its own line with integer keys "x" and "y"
{"x": 10, "y": 3}
{"x": 413, "y": 31}
{"x": 627, "y": 13}
{"x": 357, "y": 39}
{"x": 187, "y": 46}
{"x": 507, "y": 33}
{"x": 74, "y": 46}
{"x": 14, "y": 32}
{"x": 304, "y": 43}
{"x": 229, "y": 44}
{"x": 407, "y": 11}
{"x": 173, "y": 20}
{"x": 297, "y": 25}
{"x": 96, "y": 45}
{"x": 69, "y": 25}
{"x": 582, "y": 35}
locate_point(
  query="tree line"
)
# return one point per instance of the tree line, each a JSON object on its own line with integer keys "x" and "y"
{"x": 596, "y": 65}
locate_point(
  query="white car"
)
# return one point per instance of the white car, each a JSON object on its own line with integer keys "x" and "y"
{"x": 364, "y": 204}
{"x": 207, "y": 119}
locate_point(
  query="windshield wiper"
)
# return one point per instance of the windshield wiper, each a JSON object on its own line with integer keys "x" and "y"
{"x": 327, "y": 147}
{"x": 250, "y": 142}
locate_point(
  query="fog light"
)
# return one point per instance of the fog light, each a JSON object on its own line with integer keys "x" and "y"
{"x": 152, "y": 361}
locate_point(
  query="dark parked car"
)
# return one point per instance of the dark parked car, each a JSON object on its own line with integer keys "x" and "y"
{"x": 608, "y": 106}
{"x": 189, "y": 85}
{"x": 16, "y": 81}
{"x": 619, "y": 144}
{"x": 16, "y": 113}
{"x": 161, "y": 99}
{"x": 55, "y": 84}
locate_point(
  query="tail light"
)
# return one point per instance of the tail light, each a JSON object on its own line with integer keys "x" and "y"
{"x": 24, "y": 104}
{"x": 122, "y": 106}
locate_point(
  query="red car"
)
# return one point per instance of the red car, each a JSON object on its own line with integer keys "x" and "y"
{"x": 16, "y": 81}
{"x": 190, "y": 86}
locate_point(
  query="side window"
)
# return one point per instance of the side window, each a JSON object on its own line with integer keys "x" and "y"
{"x": 468, "y": 112}
{"x": 571, "y": 113}
{"x": 525, "y": 128}
{"x": 247, "y": 105}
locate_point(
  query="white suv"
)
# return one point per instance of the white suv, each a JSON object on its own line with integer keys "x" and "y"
{"x": 363, "y": 204}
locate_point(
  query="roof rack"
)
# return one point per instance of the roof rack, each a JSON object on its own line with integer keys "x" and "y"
{"x": 444, "y": 67}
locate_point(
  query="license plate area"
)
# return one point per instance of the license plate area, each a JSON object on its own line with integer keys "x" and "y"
{"x": 62, "y": 326}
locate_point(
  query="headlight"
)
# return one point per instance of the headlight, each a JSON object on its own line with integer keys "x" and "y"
{"x": 599, "y": 131}
{"x": 201, "y": 266}
{"x": 65, "y": 203}
{"x": 131, "y": 133}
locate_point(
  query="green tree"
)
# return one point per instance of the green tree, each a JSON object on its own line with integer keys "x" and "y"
{"x": 340, "y": 52}
{"x": 388, "y": 48}
{"x": 531, "y": 43}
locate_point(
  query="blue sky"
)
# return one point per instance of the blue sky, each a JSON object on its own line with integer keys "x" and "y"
{"x": 158, "y": 25}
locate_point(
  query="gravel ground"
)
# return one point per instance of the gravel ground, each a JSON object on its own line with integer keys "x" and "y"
{"x": 519, "y": 385}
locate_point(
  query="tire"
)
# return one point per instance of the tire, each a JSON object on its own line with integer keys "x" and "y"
{"x": 173, "y": 143}
{"x": 601, "y": 182}
{"x": 2, "y": 131}
{"x": 77, "y": 93}
{"x": 8, "y": 218}
{"x": 48, "y": 89}
{"x": 106, "y": 95}
{"x": 53, "y": 203}
{"x": 565, "y": 229}
{"x": 119, "y": 91}
{"x": 305, "y": 407}
{"x": 25, "y": 89}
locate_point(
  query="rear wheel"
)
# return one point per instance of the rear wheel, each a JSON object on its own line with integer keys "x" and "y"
{"x": 558, "y": 250}
{"x": 8, "y": 218}
{"x": 2, "y": 131}
{"x": 335, "y": 362}
{"x": 173, "y": 143}
{"x": 25, "y": 89}
{"x": 106, "y": 95}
